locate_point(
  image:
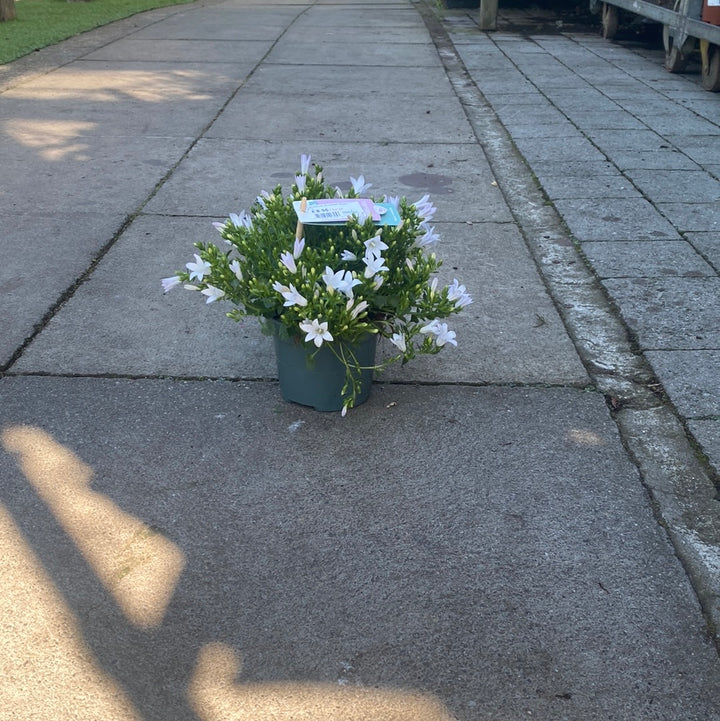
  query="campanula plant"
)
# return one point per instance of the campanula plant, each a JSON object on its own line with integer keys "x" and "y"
{"x": 330, "y": 283}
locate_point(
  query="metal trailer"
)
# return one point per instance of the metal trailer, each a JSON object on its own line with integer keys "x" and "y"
{"x": 682, "y": 27}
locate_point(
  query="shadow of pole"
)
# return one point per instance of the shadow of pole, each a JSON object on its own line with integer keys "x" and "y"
{"x": 79, "y": 601}
{"x": 86, "y": 591}
{"x": 136, "y": 565}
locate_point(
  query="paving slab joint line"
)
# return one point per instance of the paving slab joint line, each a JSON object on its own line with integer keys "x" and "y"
{"x": 680, "y": 484}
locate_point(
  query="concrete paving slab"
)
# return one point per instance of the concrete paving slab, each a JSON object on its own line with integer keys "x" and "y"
{"x": 506, "y": 79}
{"x": 691, "y": 216}
{"x": 676, "y": 313}
{"x": 670, "y": 84}
{"x": 620, "y": 87}
{"x": 502, "y": 591}
{"x": 587, "y": 99}
{"x": 621, "y": 219}
{"x": 128, "y": 79}
{"x": 602, "y": 187}
{"x": 383, "y": 32}
{"x": 595, "y": 73}
{"x": 646, "y": 259}
{"x": 225, "y": 21}
{"x": 347, "y": 80}
{"x": 706, "y": 244}
{"x": 37, "y": 240}
{"x": 647, "y": 107}
{"x": 647, "y": 69}
{"x": 614, "y": 141}
{"x": 457, "y": 175}
{"x": 522, "y": 130}
{"x": 45, "y": 158}
{"x": 572, "y": 148}
{"x": 676, "y": 186}
{"x": 147, "y": 49}
{"x": 615, "y": 119}
{"x": 520, "y": 58}
{"x": 557, "y": 77}
{"x": 92, "y": 84}
{"x": 665, "y": 159}
{"x": 705, "y": 107}
{"x": 559, "y": 45}
{"x": 479, "y": 55}
{"x": 700, "y": 148}
{"x": 143, "y": 333}
{"x": 546, "y": 71}
{"x": 300, "y": 113}
{"x": 364, "y": 16}
{"x": 689, "y": 376}
{"x": 356, "y": 54}
{"x": 536, "y": 112}
{"x": 512, "y": 310}
{"x": 157, "y": 99}
{"x": 687, "y": 87}
{"x": 670, "y": 122}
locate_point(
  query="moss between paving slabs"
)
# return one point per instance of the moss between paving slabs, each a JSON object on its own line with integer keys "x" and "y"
{"x": 40, "y": 23}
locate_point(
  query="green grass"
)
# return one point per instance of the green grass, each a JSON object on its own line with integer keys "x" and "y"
{"x": 40, "y": 23}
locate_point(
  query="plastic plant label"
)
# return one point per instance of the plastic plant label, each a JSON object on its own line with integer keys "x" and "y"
{"x": 327, "y": 211}
{"x": 331, "y": 211}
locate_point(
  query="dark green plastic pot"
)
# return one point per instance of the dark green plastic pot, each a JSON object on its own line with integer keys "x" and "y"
{"x": 315, "y": 377}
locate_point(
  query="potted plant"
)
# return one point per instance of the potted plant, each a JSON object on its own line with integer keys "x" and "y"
{"x": 328, "y": 273}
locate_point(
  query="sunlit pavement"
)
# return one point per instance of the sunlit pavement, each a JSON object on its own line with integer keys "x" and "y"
{"x": 475, "y": 542}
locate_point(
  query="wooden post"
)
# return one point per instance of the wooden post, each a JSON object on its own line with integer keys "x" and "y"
{"x": 7, "y": 10}
{"x": 487, "y": 19}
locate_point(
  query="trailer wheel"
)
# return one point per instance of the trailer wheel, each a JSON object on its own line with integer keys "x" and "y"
{"x": 609, "y": 21}
{"x": 676, "y": 55}
{"x": 710, "y": 71}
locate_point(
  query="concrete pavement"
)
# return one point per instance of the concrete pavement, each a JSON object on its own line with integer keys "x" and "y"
{"x": 625, "y": 152}
{"x": 482, "y": 540}
{"x": 628, "y": 154}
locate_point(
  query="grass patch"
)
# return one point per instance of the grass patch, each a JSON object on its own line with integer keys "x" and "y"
{"x": 40, "y": 23}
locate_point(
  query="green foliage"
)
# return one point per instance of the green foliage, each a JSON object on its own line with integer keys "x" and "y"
{"x": 40, "y": 23}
